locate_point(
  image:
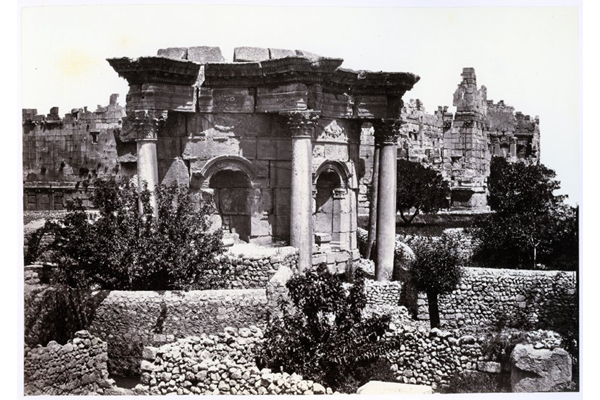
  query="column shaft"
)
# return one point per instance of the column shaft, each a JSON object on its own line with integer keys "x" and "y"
{"x": 147, "y": 168}
{"x": 386, "y": 213}
{"x": 301, "y": 229}
{"x": 373, "y": 203}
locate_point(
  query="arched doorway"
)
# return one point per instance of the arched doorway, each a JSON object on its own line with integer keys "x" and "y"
{"x": 232, "y": 196}
{"x": 327, "y": 182}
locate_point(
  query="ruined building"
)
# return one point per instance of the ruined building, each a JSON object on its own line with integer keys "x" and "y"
{"x": 283, "y": 142}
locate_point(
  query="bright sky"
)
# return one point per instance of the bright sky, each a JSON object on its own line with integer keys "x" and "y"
{"x": 526, "y": 56}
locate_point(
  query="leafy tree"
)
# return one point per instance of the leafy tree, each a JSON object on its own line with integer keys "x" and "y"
{"x": 530, "y": 225}
{"x": 126, "y": 248}
{"x": 323, "y": 334}
{"x": 436, "y": 270}
{"x": 420, "y": 189}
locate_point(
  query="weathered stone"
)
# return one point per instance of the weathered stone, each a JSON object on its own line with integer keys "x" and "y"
{"x": 538, "y": 370}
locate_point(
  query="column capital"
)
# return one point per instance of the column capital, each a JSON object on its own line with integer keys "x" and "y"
{"x": 301, "y": 124}
{"x": 144, "y": 124}
{"x": 386, "y": 130}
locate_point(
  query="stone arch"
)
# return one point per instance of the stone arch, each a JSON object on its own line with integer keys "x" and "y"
{"x": 331, "y": 205}
{"x": 200, "y": 178}
{"x": 228, "y": 181}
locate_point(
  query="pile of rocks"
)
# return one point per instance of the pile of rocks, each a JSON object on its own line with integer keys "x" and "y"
{"x": 78, "y": 367}
{"x": 217, "y": 364}
{"x": 383, "y": 293}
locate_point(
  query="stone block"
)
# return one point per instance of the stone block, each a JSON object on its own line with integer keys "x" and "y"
{"x": 205, "y": 54}
{"x": 281, "y": 174}
{"x": 196, "y": 148}
{"x": 336, "y": 151}
{"x": 293, "y": 97}
{"x": 248, "y": 54}
{"x": 248, "y": 148}
{"x": 284, "y": 150}
{"x": 173, "y": 171}
{"x": 281, "y": 53}
{"x": 266, "y": 149}
{"x": 155, "y": 96}
{"x": 538, "y": 370}
{"x": 174, "y": 53}
{"x": 371, "y": 106}
{"x": 225, "y": 100}
{"x": 337, "y": 105}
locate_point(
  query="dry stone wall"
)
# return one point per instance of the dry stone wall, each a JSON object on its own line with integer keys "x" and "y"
{"x": 247, "y": 266}
{"x": 128, "y": 321}
{"x": 503, "y": 297}
{"x": 222, "y": 363}
{"x": 77, "y": 368}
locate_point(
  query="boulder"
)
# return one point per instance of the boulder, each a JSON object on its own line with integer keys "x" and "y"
{"x": 538, "y": 370}
{"x": 378, "y": 387}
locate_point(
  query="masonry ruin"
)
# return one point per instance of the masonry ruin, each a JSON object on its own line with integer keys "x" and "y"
{"x": 287, "y": 144}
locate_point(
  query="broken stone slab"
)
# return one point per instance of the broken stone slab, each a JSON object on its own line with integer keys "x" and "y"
{"x": 538, "y": 370}
{"x": 281, "y": 53}
{"x": 174, "y": 53}
{"x": 378, "y": 387}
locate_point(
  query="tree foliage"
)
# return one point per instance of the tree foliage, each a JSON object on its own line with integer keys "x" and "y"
{"x": 436, "y": 269}
{"x": 530, "y": 225}
{"x": 324, "y": 335}
{"x": 126, "y": 248}
{"x": 420, "y": 189}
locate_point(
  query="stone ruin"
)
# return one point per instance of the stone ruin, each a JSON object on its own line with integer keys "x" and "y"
{"x": 282, "y": 141}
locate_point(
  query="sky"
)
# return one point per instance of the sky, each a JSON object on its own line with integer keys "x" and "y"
{"x": 527, "y": 56}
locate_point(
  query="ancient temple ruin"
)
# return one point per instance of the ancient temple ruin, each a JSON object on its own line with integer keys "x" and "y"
{"x": 285, "y": 143}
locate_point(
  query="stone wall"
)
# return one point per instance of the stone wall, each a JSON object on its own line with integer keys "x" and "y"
{"x": 62, "y": 155}
{"x": 128, "y": 321}
{"x": 222, "y": 363}
{"x": 77, "y": 368}
{"x": 505, "y": 297}
{"x": 383, "y": 293}
{"x": 247, "y": 266}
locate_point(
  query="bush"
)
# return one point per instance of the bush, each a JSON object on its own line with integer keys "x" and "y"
{"x": 127, "y": 248}
{"x": 323, "y": 334}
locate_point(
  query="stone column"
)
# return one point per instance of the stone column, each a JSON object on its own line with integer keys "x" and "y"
{"x": 146, "y": 125}
{"x": 386, "y": 135}
{"x": 302, "y": 126}
{"x": 373, "y": 203}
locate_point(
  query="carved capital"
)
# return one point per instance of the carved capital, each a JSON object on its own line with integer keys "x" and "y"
{"x": 387, "y": 130}
{"x": 301, "y": 124}
{"x": 144, "y": 124}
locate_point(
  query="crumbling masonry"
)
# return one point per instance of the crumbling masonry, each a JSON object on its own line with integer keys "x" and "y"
{"x": 282, "y": 141}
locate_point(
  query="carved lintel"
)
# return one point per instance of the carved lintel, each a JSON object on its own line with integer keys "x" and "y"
{"x": 144, "y": 124}
{"x": 387, "y": 130}
{"x": 302, "y": 123}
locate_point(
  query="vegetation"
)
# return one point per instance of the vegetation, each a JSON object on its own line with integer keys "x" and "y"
{"x": 419, "y": 189}
{"x": 530, "y": 225}
{"x": 126, "y": 248}
{"x": 436, "y": 270}
{"x": 323, "y": 335}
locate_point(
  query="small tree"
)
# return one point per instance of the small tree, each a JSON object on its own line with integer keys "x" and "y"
{"x": 436, "y": 270}
{"x": 420, "y": 189}
{"x": 323, "y": 334}
{"x": 127, "y": 248}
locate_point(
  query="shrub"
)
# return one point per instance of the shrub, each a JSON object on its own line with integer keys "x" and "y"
{"x": 127, "y": 248}
{"x": 323, "y": 334}
{"x": 436, "y": 270}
